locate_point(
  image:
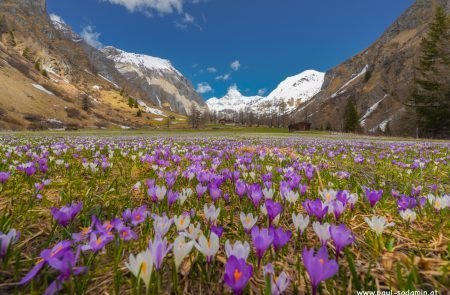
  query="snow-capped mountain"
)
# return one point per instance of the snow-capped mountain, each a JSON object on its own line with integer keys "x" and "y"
{"x": 290, "y": 93}
{"x": 60, "y": 25}
{"x": 234, "y": 100}
{"x": 138, "y": 62}
{"x": 158, "y": 80}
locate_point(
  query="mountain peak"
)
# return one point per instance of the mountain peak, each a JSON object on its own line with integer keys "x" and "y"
{"x": 140, "y": 60}
{"x": 292, "y": 91}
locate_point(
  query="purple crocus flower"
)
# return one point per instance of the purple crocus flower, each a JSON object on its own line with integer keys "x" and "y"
{"x": 315, "y": 208}
{"x": 373, "y": 196}
{"x": 66, "y": 214}
{"x": 30, "y": 170}
{"x": 172, "y": 197}
{"x": 281, "y": 238}
{"x": 215, "y": 192}
{"x": 405, "y": 202}
{"x": 319, "y": 267}
{"x": 337, "y": 208}
{"x": 218, "y": 230}
{"x": 241, "y": 188}
{"x": 85, "y": 231}
{"x": 273, "y": 210}
{"x": 67, "y": 268}
{"x": 262, "y": 239}
{"x": 126, "y": 233}
{"x": 54, "y": 253}
{"x": 4, "y": 176}
{"x": 159, "y": 249}
{"x": 139, "y": 215}
{"x": 97, "y": 242}
{"x": 7, "y": 240}
{"x": 237, "y": 274}
{"x": 342, "y": 237}
{"x": 200, "y": 190}
{"x": 255, "y": 193}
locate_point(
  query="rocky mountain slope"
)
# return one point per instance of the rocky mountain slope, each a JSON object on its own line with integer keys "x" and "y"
{"x": 51, "y": 78}
{"x": 164, "y": 85}
{"x": 378, "y": 79}
{"x": 290, "y": 93}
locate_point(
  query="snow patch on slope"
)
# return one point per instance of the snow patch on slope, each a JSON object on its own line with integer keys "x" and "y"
{"x": 369, "y": 112}
{"x": 107, "y": 80}
{"x": 41, "y": 88}
{"x": 342, "y": 89}
{"x": 150, "y": 109}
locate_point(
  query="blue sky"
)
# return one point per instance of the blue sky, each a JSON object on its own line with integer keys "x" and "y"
{"x": 254, "y": 44}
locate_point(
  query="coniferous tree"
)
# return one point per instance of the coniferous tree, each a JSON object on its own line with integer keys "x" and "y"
{"x": 431, "y": 91}
{"x": 130, "y": 102}
{"x": 351, "y": 118}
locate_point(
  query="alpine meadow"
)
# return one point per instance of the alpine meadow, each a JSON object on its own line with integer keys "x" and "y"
{"x": 225, "y": 147}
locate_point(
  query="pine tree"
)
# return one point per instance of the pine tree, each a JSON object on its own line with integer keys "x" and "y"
{"x": 351, "y": 118}
{"x": 431, "y": 91}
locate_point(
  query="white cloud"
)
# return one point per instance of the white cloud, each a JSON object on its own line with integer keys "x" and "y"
{"x": 150, "y": 6}
{"x": 204, "y": 88}
{"x": 224, "y": 77}
{"x": 188, "y": 19}
{"x": 262, "y": 91}
{"x": 235, "y": 65}
{"x": 211, "y": 70}
{"x": 91, "y": 37}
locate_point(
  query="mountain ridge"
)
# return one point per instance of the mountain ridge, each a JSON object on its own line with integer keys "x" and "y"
{"x": 291, "y": 92}
{"x": 378, "y": 79}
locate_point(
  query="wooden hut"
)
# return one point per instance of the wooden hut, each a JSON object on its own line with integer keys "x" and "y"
{"x": 300, "y": 126}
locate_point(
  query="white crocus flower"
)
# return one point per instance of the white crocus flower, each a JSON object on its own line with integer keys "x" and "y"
{"x": 352, "y": 199}
{"x": 322, "y": 231}
{"x": 408, "y": 215}
{"x": 193, "y": 232}
{"x": 209, "y": 247}
{"x": 328, "y": 195}
{"x": 268, "y": 193}
{"x": 182, "y": 222}
{"x": 248, "y": 221}
{"x": 160, "y": 192}
{"x": 142, "y": 266}
{"x": 181, "y": 250}
{"x": 185, "y": 193}
{"x": 378, "y": 224}
{"x": 300, "y": 222}
{"x": 211, "y": 213}
{"x": 292, "y": 197}
{"x": 239, "y": 250}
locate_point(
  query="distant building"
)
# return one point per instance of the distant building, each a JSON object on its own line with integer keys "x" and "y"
{"x": 224, "y": 121}
{"x": 300, "y": 126}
